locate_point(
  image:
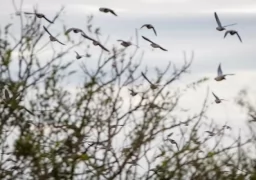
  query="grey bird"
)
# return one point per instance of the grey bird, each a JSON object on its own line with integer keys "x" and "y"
{"x": 132, "y": 92}
{"x": 152, "y": 86}
{"x": 210, "y": 133}
{"x": 75, "y": 30}
{"x": 174, "y": 142}
{"x": 220, "y": 75}
{"x": 78, "y": 56}
{"x": 154, "y": 45}
{"x": 39, "y": 15}
{"x": 107, "y": 10}
{"x": 233, "y": 32}
{"x": 217, "y": 99}
{"x": 149, "y": 26}
{"x": 125, "y": 43}
{"x": 52, "y": 38}
{"x": 220, "y": 27}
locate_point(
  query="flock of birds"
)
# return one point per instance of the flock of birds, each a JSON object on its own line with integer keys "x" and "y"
{"x": 220, "y": 75}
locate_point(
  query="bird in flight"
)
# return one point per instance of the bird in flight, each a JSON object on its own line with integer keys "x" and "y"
{"x": 210, "y": 133}
{"x": 232, "y": 32}
{"x": 125, "y": 43}
{"x": 220, "y": 27}
{"x": 52, "y": 38}
{"x": 75, "y": 30}
{"x": 217, "y": 99}
{"x": 154, "y": 45}
{"x": 132, "y": 92}
{"x": 107, "y": 10}
{"x": 39, "y": 15}
{"x": 78, "y": 56}
{"x": 220, "y": 75}
{"x": 152, "y": 86}
{"x": 149, "y": 26}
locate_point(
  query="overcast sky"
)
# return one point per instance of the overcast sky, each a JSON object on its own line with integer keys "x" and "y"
{"x": 181, "y": 25}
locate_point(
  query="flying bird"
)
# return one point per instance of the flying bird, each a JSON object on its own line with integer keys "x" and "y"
{"x": 174, "y": 142}
{"x": 152, "y": 86}
{"x": 107, "y": 10}
{"x": 125, "y": 43}
{"x": 217, "y": 99}
{"x": 75, "y": 30}
{"x": 149, "y": 26}
{"x": 232, "y": 32}
{"x": 154, "y": 45}
{"x": 132, "y": 92}
{"x": 78, "y": 56}
{"x": 39, "y": 15}
{"x": 52, "y": 38}
{"x": 220, "y": 75}
{"x": 210, "y": 133}
{"x": 220, "y": 27}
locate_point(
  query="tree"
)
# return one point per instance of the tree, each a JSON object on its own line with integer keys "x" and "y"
{"x": 103, "y": 130}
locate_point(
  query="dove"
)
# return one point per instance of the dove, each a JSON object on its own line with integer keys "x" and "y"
{"x": 125, "y": 43}
{"x": 217, "y": 99}
{"x": 174, "y": 142}
{"x": 220, "y": 75}
{"x": 210, "y": 133}
{"x": 233, "y": 32}
{"x": 107, "y": 10}
{"x": 220, "y": 27}
{"x": 154, "y": 45}
{"x": 152, "y": 86}
{"x": 149, "y": 26}
{"x": 132, "y": 92}
{"x": 52, "y": 38}
{"x": 75, "y": 30}
{"x": 78, "y": 56}
{"x": 39, "y": 15}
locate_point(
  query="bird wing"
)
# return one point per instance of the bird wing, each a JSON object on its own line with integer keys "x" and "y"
{"x": 27, "y": 110}
{"x": 110, "y": 10}
{"x": 29, "y": 13}
{"x": 154, "y": 30}
{"x": 47, "y": 19}
{"x": 59, "y": 42}
{"x": 217, "y": 19}
{"x": 146, "y": 78}
{"x": 87, "y": 37}
{"x": 162, "y": 48}
{"x": 120, "y": 40}
{"x": 216, "y": 97}
{"x": 238, "y": 36}
{"x": 220, "y": 73}
{"x": 77, "y": 53}
{"x": 103, "y": 47}
{"x": 226, "y": 33}
{"x": 69, "y": 30}
{"x": 47, "y": 30}
{"x": 143, "y": 25}
{"x": 147, "y": 39}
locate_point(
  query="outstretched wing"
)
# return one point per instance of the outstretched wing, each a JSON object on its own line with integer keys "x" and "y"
{"x": 154, "y": 30}
{"x": 163, "y": 48}
{"x": 47, "y": 30}
{"x": 27, "y": 110}
{"x": 146, "y": 78}
{"x": 103, "y": 47}
{"x": 220, "y": 73}
{"x": 216, "y": 97}
{"x": 69, "y": 30}
{"x": 143, "y": 25}
{"x": 147, "y": 39}
{"x": 217, "y": 19}
{"x": 111, "y": 11}
{"x": 226, "y": 33}
{"x": 59, "y": 42}
{"x": 230, "y": 25}
{"x": 29, "y": 13}
{"x": 239, "y": 37}
{"x": 87, "y": 37}
{"x": 47, "y": 19}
